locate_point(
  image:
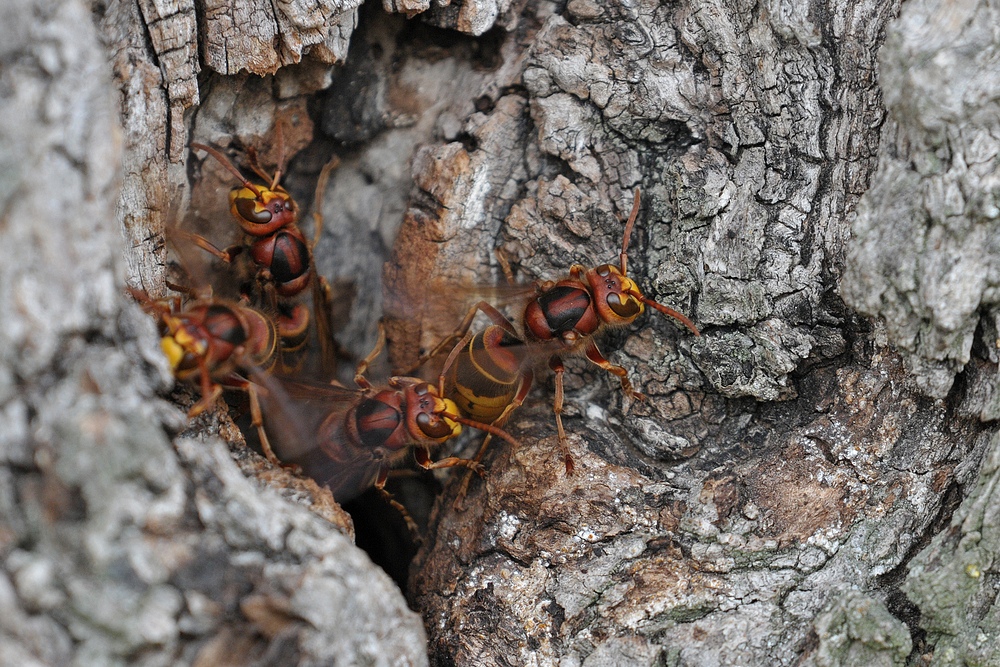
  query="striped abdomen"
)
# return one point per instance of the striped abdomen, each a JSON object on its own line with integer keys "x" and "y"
{"x": 485, "y": 376}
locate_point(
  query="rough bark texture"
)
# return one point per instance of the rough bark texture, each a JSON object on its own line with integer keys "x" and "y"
{"x": 932, "y": 275}
{"x": 802, "y": 486}
{"x": 762, "y": 506}
{"x": 924, "y": 261}
{"x": 119, "y": 546}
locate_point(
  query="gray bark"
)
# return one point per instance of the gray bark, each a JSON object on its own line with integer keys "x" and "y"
{"x": 762, "y": 507}
{"x": 802, "y": 486}
{"x": 120, "y": 546}
{"x": 923, "y": 261}
{"x": 931, "y": 276}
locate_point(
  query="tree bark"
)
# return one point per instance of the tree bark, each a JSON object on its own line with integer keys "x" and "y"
{"x": 803, "y": 485}
{"x": 118, "y": 545}
{"x": 763, "y": 506}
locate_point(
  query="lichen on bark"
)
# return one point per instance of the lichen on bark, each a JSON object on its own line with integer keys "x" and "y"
{"x": 117, "y": 545}
{"x": 784, "y": 488}
{"x": 923, "y": 257}
{"x": 952, "y": 580}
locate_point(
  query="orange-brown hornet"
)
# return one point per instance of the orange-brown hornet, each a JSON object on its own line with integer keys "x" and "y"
{"x": 562, "y": 317}
{"x": 487, "y": 375}
{"x": 214, "y": 343}
{"x": 349, "y": 439}
{"x": 268, "y": 216}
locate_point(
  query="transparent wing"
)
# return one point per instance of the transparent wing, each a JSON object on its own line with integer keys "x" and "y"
{"x": 305, "y": 422}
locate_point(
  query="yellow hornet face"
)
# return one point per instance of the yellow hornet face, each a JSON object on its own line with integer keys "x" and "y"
{"x": 614, "y": 295}
{"x": 264, "y": 214}
{"x": 451, "y": 408}
{"x": 173, "y": 351}
{"x": 626, "y": 305}
{"x": 427, "y": 411}
{"x": 180, "y": 342}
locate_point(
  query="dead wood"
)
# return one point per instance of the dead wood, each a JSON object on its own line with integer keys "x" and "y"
{"x": 763, "y": 505}
{"x": 802, "y": 486}
{"x": 119, "y": 545}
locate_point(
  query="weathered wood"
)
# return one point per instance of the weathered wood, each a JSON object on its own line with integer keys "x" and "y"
{"x": 783, "y": 458}
{"x": 117, "y": 544}
{"x": 261, "y": 37}
{"x": 951, "y": 580}
{"x": 761, "y": 508}
{"x": 924, "y": 256}
{"x": 923, "y": 259}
